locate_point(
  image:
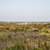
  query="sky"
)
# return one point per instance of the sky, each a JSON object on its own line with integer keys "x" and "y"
{"x": 25, "y": 10}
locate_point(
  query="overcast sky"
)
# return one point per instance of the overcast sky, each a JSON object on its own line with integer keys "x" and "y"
{"x": 25, "y": 10}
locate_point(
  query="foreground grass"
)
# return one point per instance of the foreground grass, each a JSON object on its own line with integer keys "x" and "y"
{"x": 23, "y": 41}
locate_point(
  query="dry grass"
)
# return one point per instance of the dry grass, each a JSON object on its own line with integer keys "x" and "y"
{"x": 24, "y": 37}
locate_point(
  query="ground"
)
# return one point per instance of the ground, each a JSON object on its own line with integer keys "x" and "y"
{"x": 24, "y": 37}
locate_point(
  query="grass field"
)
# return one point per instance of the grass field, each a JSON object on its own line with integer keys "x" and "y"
{"x": 33, "y": 36}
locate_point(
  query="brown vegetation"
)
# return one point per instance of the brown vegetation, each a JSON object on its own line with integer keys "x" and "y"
{"x": 24, "y": 36}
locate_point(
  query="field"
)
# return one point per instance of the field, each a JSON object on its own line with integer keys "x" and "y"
{"x": 24, "y": 36}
